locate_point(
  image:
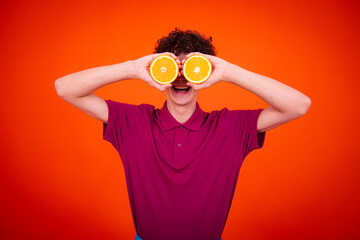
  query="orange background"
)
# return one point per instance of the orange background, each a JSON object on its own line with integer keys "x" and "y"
{"x": 60, "y": 180}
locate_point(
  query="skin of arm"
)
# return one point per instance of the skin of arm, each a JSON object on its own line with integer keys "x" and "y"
{"x": 77, "y": 88}
{"x": 286, "y": 103}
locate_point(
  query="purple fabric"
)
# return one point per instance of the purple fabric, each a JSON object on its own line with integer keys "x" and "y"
{"x": 181, "y": 178}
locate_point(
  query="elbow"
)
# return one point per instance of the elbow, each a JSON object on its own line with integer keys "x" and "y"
{"x": 303, "y": 106}
{"x": 59, "y": 87}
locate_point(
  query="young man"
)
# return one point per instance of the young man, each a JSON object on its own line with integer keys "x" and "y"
{"x": 182, "y": 164}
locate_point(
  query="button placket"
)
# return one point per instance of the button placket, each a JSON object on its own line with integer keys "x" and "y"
{"x": 179, "y": 143}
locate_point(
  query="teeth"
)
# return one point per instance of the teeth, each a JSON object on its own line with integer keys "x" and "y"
{"x": 181, "y": 88}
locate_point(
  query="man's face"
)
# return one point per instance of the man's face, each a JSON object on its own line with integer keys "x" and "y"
{"x": 181, "y": 94}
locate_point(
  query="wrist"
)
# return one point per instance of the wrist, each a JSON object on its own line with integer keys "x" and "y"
{"x": 131, "y": 69}
{"x": 232, "y": 73}
{"x": 123, "y": 70}
{"x": 229, "y": 72}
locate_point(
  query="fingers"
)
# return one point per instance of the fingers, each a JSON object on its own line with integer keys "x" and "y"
{"x": 196, "y": 86}
{"x": 163, "y": 87}
{"x": 158, "y": 86}
{"x": 189, "y": 55}
{"x": 170, "y": 54}
{"x": 196, "y": 53}
{"x": 193, "y": 53}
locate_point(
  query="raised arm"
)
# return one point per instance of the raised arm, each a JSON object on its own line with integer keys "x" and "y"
{"x": 77, "y": 88}
{"x": 286, "y": 103}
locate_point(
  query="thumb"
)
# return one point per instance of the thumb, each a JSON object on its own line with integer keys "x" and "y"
{"x": 194, "y": 86}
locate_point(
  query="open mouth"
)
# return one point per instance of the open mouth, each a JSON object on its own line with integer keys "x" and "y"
{"x": 181, "y": 89}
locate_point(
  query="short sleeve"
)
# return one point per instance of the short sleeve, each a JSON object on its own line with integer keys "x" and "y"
{"x": 242, "y": 127}
{"x": 112, "y": 130}
{"x": 126, "y": 123}
{"x": 256, "y": 139}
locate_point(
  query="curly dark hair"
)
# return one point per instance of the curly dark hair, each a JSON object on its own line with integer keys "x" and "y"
{"x": 188, "y": 41}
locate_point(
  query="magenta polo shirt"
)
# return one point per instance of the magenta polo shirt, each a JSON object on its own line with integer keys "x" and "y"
{"x": 181, "y": 178}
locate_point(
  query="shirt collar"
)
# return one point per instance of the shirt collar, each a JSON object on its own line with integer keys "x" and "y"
{"x": 193, "y": 123}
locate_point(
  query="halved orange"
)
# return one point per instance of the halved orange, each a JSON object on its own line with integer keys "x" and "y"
{"x": 164, "y": 69}
{"x": 197, "y": 68}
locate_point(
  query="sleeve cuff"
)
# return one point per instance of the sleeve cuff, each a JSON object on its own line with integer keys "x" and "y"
{"x": 258, "y": 139}
{"x": 108, "y": 127}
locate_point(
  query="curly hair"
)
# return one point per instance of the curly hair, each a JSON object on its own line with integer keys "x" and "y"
{"x": 188, "y": 41}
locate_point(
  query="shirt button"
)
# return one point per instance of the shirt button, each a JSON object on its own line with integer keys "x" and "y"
{"x": 179, "y": 144}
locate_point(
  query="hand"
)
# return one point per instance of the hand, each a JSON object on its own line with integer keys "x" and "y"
{"x": 218, "y": 71}
{"x": 141, "y": 70}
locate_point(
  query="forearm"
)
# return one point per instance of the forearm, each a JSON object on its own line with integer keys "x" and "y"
{"x": 85, "y": 82}
{"x": 278, "y": 95}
